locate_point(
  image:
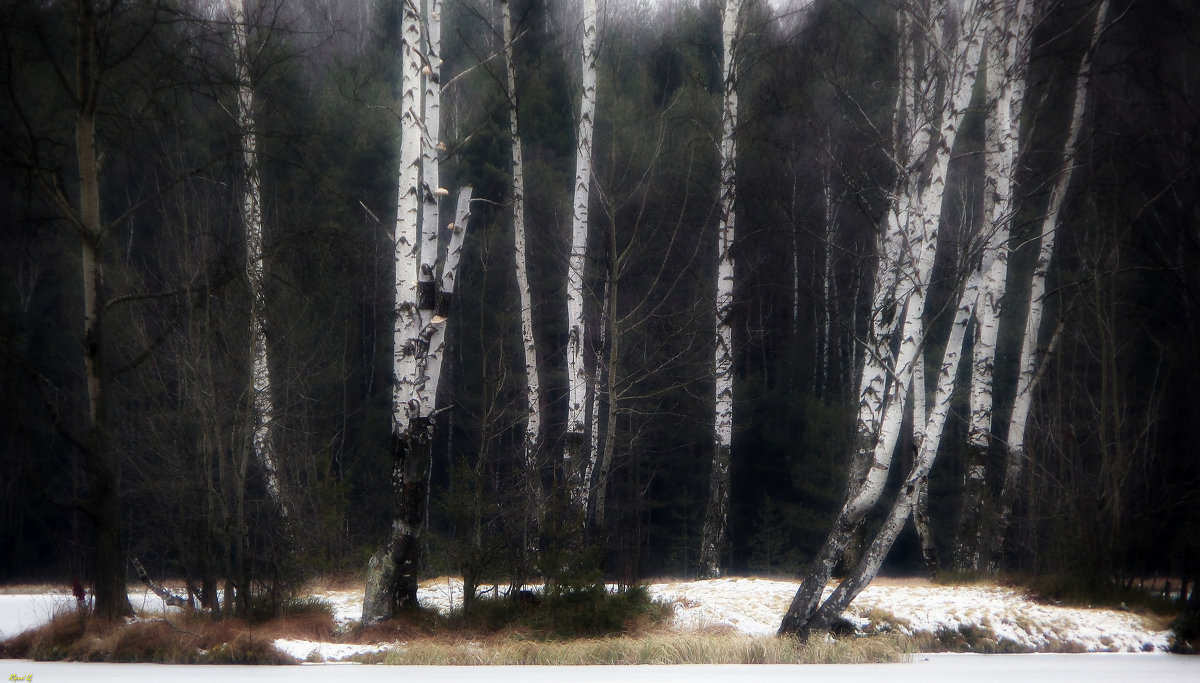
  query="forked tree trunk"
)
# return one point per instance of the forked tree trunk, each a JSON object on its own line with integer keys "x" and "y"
{"x": 392, "y": 572}
{"x": 716, "y": 513}
{"x": 262, "y": 406}
{"x": 907, "y": 252}
{"x": 1032, "y": 358}
{"x": 534, "y": 504}
{"x": 577, "y": 376}
{"x": 914, "y": 483}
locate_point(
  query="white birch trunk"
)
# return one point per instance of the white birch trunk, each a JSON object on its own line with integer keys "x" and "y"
{"x": 391, "y": 572}
{"x": 716, "y": 515}
{"x": 827, "y": 286}
{"x": 431, "y": 194}
{"x": 907, "y": 252}
{"x": 1031, "y": 361}
{"x": 920, "y": 514}
{"x": 262, "y": 404}
{"x": 1007, "y": 63}
{"x": 931, "y": 434}
{"x": 533, "y": 381}
{"x": 408, "y": 324}
{"x": 577, "y": 378}
{"x": 436, "y": 327}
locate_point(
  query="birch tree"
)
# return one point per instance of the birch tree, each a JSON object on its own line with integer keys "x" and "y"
{"x": 939, "y": 55}
{"x": 577, "y": 376}
{"x": 533, "y": 381}
{"x": 262, "y": 406}
{"x": 422, "y": 310}
{"x": 1033, "y": 357}
{"x": 716, "y": 513}
{"x": 1008, "y": 48}
{"x": 926, "y": 440}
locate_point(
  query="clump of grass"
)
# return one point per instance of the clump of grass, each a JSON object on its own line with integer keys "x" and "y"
{"x": 52, "y": 641}
{"x": 967, "y": 638}
{"x": 882, "y": 620}
{"x": 563, "y": 613}
{"x": 182, "y": 639}
{"x": 655, "y": 648}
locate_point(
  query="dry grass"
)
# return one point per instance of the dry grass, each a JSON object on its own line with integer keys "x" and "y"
{"x": 179, "y": 639}
{"x": 34, "y": 588}
{"x": 651, "y": 648}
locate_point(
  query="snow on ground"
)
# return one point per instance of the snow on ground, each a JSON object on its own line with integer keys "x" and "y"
{"x": 756, "y": 606}
{"x": 751, "y": 605}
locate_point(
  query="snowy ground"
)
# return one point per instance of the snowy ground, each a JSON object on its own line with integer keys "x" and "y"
{"x": 752, "y": 606}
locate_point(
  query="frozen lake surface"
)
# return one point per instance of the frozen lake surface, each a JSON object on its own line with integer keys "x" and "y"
{"x": 1094, "y": 668}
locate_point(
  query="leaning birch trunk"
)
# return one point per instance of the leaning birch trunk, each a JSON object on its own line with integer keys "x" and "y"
{"x": 1030, "y": 362}
{"x": 716, "y": 513}
{"x": 577, "y": 378}
{"x": 262, "y": 403}
{"x": 392, "y": 572}
{"x": 535, "y": 509}
{"x": 934, "y": 427}
{"x": 1007, "y": 64}
{"x": 910, "y": 244}
{"x": 920, "y": 511}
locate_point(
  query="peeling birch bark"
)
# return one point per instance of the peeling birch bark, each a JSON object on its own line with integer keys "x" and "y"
{"x": 716, "y": 513}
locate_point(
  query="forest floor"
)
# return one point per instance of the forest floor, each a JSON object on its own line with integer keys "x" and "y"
{"x": 928, "y": 617}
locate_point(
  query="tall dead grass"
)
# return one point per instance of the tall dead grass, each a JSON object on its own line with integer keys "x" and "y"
{"x": 180, "y": 639}
{"x": 653, "y": 648}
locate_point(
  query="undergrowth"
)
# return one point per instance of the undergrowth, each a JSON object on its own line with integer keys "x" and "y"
{"x": 175, "y": 639}
{"x": 654, "y": 648}
{"x": 563, "y": 613}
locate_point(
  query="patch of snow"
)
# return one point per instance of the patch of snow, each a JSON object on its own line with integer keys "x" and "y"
{"x": 316, "y": 651}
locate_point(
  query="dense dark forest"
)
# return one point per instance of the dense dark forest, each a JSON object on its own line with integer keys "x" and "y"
{"x": 132, "y": 410}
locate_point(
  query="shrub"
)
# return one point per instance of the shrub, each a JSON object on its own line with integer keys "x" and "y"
{"x": 1185, "y": 630}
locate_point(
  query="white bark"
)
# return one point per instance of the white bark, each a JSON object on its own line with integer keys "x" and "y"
{"x": 1031, "y": 360}
{"x": 391, "y": 572}
{"x": 262, "y": 404}
{"x": 907, "y": 250}
{"x": 533, "y": 381}
{"x": 918, "y": 218}
{"x": 436, "y": 328}
{"x": 577, "y": 378}
{"x": 911, "y": 489}
{"x": 408, "y": 324}
{"x": 1007, "y": 63}
{"x": 717, "y": 511}
{"x": 431, "y": 194}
